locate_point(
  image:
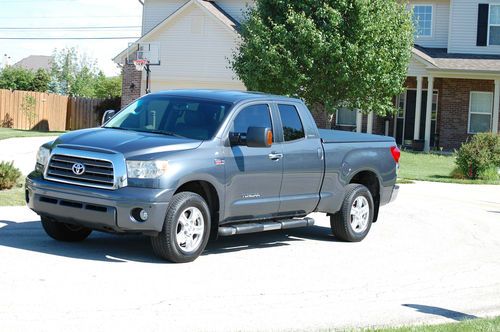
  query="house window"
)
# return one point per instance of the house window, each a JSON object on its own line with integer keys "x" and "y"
{"x": 346, "y": 117}
{"x": 434, "y": 105}
{"x": 422, "y": 18}
{"x": 401, "y": 105}
{"x": 480, "y": 112}
{"x": 494, "y": 27}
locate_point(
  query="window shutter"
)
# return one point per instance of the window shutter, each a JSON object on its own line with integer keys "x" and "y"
{"x": 482, "y": 24}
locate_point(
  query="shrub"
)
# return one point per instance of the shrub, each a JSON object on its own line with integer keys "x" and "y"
{"x": 477, "y": 157}
{"x": 8, "y": 175}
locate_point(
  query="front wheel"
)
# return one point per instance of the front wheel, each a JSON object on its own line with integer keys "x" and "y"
{"x": 353, "y": 222}
{"x": 186, "y": 229}
{"x": 64, "y": 232}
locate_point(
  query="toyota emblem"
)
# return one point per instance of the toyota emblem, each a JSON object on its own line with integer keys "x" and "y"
{"x": 78, "y": 168}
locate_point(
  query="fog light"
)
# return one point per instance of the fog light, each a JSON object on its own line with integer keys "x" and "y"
{"x": 139, "y": 215}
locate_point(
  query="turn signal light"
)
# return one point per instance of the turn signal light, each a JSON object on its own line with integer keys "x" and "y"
{"x": 396, "y": 153}
{"x": 269, "y": 138}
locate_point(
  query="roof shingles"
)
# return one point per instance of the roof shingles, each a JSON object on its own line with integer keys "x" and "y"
{"x": 443, "y": 60}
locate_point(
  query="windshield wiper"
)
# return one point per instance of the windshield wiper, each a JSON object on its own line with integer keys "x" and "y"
{"x": 162, "y": 132}
{"x": 119, "y": 128}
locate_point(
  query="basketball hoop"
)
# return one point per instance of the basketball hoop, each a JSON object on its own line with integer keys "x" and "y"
{"x": 140, "y": 64}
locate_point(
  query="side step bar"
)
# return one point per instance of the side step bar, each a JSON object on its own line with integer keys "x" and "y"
{"x": 264, "y": 226}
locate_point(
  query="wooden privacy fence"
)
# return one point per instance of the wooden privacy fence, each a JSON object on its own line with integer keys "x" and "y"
{"x": 51, "y": 112}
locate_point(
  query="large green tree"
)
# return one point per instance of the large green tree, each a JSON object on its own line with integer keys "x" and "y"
{"x": 331, "y": 53}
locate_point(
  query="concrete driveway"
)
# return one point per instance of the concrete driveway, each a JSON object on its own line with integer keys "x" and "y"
{"x": 434, "y": 256}
{"x": 22, "y": 151}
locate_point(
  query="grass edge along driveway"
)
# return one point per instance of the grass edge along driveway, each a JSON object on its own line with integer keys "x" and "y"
{"x": 6, "y": 133}
{"x": 476, "y": 325}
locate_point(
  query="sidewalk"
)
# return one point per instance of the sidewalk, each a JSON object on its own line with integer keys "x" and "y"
{"x": 22, "y": 151}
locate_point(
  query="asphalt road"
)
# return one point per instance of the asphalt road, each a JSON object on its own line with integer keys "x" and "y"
{"x": 434, "y": 256}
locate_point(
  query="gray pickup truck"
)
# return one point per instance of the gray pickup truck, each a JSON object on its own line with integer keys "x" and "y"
{"x": 188, "y": 165}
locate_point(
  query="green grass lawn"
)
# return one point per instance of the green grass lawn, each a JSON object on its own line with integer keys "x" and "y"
{"x": 476, "y": 325}
{"x": 430, "y": 167}
{"x": 11, "y": 133}
{"x": 14, "y": 196}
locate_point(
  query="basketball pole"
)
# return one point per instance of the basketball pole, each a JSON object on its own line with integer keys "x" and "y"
{"x": 148, "y": 71}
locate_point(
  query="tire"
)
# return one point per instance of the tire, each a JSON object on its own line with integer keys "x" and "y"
{"x": 185, "y": 231}
{"x": 64, "y": 232}
{"x": 353, "y": 228}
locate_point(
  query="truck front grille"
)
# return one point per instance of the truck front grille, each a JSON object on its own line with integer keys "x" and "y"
{"x": 96, "y": 173}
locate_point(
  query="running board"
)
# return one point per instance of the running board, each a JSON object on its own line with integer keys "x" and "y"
{"x": 264, "y": 226}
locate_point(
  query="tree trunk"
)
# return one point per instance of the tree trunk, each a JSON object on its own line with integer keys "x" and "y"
{"x": 321, "y": 116}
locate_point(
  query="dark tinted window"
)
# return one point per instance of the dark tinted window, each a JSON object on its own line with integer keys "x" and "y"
{"x": 253, "y": 116}
{"x": 292, "y": 126}
{"x": 186, "y": 117}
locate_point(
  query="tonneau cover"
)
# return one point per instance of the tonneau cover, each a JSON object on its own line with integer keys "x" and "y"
{"x": 339, "y": 136}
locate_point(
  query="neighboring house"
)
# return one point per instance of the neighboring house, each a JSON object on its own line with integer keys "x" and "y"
{"x": 196, "y": 40}
{"x": 457, "y": 56}
{"x": 35, "y": 62}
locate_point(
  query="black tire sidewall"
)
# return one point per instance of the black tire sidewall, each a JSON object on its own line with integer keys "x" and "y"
{"x": 360, "y": 190}
{"x": 64, "y": 232}
{"x": 173, "y": 215}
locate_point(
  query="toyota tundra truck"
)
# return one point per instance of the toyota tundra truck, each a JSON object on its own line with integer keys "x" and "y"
{"x": 186, "y": 166}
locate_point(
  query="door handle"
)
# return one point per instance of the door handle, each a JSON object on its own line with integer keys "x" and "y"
{"x": 275, "y": 156}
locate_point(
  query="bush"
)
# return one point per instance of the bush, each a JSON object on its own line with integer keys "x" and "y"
{"x": 8, "y": 175}
{"x": 478, "y": 157}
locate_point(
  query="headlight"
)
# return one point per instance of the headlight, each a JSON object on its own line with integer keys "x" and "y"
{"x": 146, "y": 169}
{"x": 42, "y": 156}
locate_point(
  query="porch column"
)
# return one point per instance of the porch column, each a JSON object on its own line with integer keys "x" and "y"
{"x": 418, "y": 108}
{"x": 496, "y": 106}
{"x": 359, "y": 121}
{"x": 369, "y": 123}
{"x": 428, "y": 114}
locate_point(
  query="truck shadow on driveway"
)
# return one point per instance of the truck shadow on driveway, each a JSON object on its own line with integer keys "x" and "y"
{"x": 122, "y": 248}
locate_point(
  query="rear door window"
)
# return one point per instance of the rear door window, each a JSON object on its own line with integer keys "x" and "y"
{"x": 292, "y": 125}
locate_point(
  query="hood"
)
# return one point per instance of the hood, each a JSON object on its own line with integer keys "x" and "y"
{"x": 129, "y": 143}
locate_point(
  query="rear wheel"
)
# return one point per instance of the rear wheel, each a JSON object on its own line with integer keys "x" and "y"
{"x": 353, "y": 222}
{"x": 61, "y": 231}
{"x": 186, "y": 229}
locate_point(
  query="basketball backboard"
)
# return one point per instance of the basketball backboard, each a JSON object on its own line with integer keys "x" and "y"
{"x": 144, "y": 51}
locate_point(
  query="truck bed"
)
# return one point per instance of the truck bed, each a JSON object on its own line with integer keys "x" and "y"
{"x": 339, "y": 136}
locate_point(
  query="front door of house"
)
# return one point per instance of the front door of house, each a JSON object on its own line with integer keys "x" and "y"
{"x": 406, "y": 125}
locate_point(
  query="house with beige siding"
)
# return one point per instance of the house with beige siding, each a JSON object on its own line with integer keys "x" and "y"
{"x": 456, "y": 56}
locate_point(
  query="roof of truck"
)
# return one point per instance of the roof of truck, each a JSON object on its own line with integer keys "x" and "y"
{"x": 229, "y": 96}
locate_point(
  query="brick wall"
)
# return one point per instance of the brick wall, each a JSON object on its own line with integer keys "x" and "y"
{"x": 131, "y": 86}
{"x": 454, "y": 109}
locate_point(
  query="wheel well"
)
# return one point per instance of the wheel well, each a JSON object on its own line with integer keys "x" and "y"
{"x": 207, "y": 191}
{"x": 370, "y": 181}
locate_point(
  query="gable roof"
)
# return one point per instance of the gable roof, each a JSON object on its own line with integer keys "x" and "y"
{"x": 35, "y": 62}
{"x": 209, "y": 7}
{"x": 440, "y": 59}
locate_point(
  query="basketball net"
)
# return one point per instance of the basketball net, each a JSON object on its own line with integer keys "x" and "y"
{"x": 140, "y": 64}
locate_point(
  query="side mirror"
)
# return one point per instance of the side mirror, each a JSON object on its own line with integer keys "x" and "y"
{"x": 108, "y": 115}
{"x": 259, "y": 137}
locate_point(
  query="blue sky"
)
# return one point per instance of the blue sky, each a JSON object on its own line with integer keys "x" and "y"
{"x": 68, "y": 13}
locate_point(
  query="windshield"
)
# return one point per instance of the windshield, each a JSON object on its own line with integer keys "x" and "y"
{"x": 173, "y": 116}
